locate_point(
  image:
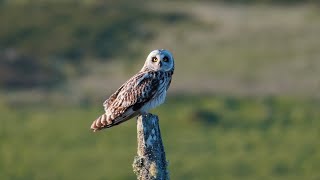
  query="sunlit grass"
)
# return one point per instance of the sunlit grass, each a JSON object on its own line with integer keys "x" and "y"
{"x": 204, "y": 137}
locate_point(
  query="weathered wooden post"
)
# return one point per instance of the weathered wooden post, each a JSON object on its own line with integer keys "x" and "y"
{"x": 150, "y": 163}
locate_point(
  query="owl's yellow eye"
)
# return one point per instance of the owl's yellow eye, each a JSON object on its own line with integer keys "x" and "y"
{"x": 154, "y": 59}
{"x": 165, "y": 59}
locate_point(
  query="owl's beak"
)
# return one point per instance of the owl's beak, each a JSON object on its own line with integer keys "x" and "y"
{"x": 160, "y": 63}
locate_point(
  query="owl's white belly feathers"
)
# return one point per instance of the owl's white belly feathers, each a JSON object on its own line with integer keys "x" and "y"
{"x": 159, "y": 99}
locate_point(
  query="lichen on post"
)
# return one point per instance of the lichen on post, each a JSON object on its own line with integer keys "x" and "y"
{"x": 150, "y": 163}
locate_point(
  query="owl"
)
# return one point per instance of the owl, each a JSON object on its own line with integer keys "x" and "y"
{"x": 144, "y": 91}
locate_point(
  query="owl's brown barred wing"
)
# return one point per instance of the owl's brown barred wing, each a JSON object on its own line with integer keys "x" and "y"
{"x": 111, "y": 99}
{"x": 137, "y": 89}
{"x": 102, "y": 121}
{"x": 128, "y": 100}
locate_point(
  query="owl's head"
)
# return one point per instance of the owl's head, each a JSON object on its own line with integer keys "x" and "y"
{"x": 159, "y": 60}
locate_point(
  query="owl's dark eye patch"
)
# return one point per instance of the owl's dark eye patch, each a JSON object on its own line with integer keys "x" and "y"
{"x": 165, "y": 59}
{"x": 154, "y": 59}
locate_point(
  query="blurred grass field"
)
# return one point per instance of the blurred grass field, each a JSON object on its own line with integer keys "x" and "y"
{"x": 205, "y": 137}
{"x": 257, "y": 49}
{"x": 244, "y": 101}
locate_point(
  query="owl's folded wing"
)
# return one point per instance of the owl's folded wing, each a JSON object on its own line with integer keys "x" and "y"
{"x": 127, "y": 101}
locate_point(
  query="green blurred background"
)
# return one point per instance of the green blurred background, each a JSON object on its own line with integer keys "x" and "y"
{"x": 244, "y": 102}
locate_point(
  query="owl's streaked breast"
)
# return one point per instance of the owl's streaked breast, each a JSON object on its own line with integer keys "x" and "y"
{"x": 160, "y": 96}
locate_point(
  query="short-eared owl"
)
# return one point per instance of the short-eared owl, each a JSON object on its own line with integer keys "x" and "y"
{"x": 142, "y": 92}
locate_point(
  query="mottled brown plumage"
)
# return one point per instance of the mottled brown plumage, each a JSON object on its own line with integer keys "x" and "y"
{"x": 142, "y": 92}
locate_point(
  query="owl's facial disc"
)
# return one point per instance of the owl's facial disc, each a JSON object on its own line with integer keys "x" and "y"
{"x": 160, "y": 60}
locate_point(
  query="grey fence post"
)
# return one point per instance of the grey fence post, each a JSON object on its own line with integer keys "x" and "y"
{"x": 150, "y": 163}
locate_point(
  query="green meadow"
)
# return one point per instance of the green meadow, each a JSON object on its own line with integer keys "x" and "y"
{"x": 205, "y": 137}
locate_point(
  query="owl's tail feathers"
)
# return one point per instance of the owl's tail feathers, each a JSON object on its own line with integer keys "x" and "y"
{"x": 101, "y": 122}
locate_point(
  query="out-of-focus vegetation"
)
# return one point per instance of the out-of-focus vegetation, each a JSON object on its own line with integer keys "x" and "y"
{"x": 261, "y": 48}
{"x": 209, "y": 137}
{"x": 243, "y": 104}
{"x": 45, "y": 41}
